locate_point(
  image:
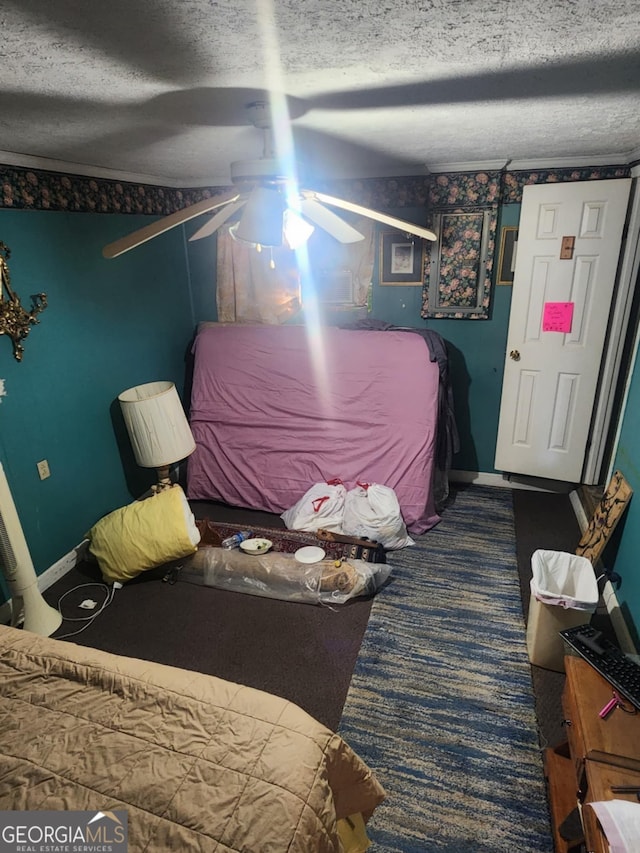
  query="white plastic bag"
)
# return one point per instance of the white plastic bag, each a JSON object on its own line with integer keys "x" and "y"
{"x": 566, "y": 580}
{"x": 373, "y": 511}
{"x": 322, "y": 506}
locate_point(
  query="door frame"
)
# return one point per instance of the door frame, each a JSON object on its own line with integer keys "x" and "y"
{"x": 603, "y": 413}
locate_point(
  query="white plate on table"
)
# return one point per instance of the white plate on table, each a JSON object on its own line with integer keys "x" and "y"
{"x": 256, "y": 545}
{"x": 309, "y": 554}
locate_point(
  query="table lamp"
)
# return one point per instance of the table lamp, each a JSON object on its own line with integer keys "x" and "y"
{"x": 158, "y": 429}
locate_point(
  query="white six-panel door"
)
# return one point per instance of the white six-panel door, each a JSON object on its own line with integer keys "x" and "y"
{"x": 550, "y": 377}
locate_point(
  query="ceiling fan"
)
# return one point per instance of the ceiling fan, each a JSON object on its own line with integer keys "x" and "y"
{"x": 274, "y": 210}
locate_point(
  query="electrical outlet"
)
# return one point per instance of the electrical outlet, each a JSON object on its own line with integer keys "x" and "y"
{"x": 43, "y": 469}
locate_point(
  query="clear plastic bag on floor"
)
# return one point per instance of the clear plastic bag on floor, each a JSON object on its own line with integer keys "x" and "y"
{"x": 280, "y": 575}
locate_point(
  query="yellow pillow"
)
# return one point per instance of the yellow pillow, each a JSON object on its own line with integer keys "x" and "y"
{"x": 143, "y": 535}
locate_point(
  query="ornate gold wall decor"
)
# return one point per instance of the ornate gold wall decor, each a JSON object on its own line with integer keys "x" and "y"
{"x": 15, "y": 320}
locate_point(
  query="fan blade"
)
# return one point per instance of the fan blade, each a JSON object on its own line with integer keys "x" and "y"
{"x": 400, "y": 224}
{"x": 136, "y": 238}
{"x": 219, "y": 219}
{"x": 329, "y": 222}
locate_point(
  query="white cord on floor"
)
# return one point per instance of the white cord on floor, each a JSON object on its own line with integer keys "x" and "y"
{"x": 88, "y": 619}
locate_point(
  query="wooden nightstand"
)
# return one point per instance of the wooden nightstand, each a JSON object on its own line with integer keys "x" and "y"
{"x": 597, "y": 754}
{"x": 600, "y": 778}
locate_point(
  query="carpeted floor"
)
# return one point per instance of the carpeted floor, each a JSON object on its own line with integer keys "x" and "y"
{"x": 441, "y": 702}
{"x": 452, "y": 640}
{"x": 301, "y": 652}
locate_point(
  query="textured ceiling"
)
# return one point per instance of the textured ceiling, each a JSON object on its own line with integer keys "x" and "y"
{"x": 156, "y": 89}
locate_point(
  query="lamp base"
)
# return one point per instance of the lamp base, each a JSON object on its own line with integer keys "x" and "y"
{"x": 164, "y": 480}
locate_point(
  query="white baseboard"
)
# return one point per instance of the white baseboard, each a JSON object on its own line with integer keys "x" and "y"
{"x": 51, "y": 575}
{"x": 508, "y": 481}
{"x": 478, "y": 478}
{"x": 60, "y": 568}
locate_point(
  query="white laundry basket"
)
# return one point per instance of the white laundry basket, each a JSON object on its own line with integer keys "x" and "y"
{"x": 564, "y": 593}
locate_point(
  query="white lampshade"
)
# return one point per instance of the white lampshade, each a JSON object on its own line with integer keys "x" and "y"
{"x": 261, "y": 220}
{"x": 157, "y": 425}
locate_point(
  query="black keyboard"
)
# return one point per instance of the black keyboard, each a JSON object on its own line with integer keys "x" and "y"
{"x": 607, "y": 659}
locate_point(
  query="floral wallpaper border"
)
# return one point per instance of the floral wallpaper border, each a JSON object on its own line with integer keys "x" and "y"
{"x": 514, "y": 182}
{"x": 33, "y": 189}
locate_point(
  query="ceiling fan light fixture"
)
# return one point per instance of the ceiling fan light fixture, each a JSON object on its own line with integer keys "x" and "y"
{"x": 262, "y": 219}
{"x": 296, "y": 230}
{"x": 233, "y": 233}
{"x": 259, "y": 198}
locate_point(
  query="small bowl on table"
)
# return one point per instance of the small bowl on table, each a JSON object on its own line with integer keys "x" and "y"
{"x": 257, "y": 545}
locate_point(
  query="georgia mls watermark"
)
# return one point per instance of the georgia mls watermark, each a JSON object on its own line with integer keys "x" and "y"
{"x": 63, "y": 832}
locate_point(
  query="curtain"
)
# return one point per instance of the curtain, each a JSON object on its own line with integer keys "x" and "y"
{"x": 265, "y": 287}
{"x": 248, "y": 289}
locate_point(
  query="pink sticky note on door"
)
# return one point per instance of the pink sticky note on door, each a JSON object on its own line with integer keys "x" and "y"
{"x": 557, "y": 316}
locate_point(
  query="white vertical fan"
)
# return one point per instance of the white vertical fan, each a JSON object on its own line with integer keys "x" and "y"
{"x": 17, "y": 567}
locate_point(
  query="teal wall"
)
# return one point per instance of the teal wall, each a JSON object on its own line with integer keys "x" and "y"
{"x": 109, "y": 325}
{"x": 627, "y": 537}
{"x": 201, "y": 263}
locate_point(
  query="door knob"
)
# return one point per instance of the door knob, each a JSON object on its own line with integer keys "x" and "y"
{"x": 515, "y": 355}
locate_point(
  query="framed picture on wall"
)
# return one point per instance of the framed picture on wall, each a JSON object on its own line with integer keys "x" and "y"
{"x": 401, "y": 259}
{"x": 507, "y": 257}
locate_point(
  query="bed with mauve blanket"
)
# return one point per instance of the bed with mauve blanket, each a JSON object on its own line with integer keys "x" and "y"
{"x": 275, "y": 409}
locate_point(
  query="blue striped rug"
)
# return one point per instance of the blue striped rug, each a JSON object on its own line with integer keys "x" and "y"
{"x": 441, "y": 703}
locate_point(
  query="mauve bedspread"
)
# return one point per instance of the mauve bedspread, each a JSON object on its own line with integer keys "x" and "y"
{"x": 275, "y": 409}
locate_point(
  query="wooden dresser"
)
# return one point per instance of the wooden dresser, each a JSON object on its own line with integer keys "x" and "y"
{"x": 598, "y": 753}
